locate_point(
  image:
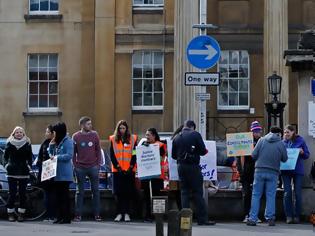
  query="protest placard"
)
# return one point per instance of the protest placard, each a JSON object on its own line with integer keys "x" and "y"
{"x": 293, "y": 154}
{"x": 208, "y": 163}
{"x": 49, "y": 169}
{"x": 172, "y": 164}
{"x": 148, "y": 161}
{"x": 239, "y": 144}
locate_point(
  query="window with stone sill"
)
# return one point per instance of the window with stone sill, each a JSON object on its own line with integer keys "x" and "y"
{"x": 147, "y": 80}
{"x": 43, "y": 82}
{"x": 43, "y": 7}
{"x": 148, "y": 3}
{"x": 233, "y": 91}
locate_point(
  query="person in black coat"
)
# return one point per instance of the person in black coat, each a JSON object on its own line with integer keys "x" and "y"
{"x": 18, "y": 161}
{"x": 188, "y": 146}
{"x": 47, "y": 185}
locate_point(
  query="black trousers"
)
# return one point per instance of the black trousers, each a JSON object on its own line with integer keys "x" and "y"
{"x": 62, "y": 196}
{"x": 15, "y": 185}
{"x": 50, "y": 201}
{"x": 191, "y": 181}
{"x": 247, "y": 196}
{"x": 125, "y": 190}
{"x": 157, "y": 185}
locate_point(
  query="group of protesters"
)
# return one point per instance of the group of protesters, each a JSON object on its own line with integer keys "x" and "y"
{"x": 81, "y": 156}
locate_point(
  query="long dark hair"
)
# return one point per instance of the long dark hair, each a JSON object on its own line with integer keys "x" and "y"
{"x": 177, "y": 131}
{"x": 154, "y": 133}
{"x": 124, "y": 138}
{"x": 292, "y": 129}
{"x": 61, "y": 132}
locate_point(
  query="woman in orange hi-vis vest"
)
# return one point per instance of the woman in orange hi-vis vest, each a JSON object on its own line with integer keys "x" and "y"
{"x": 123, "y": 157}
{"x": 157, "y": 184}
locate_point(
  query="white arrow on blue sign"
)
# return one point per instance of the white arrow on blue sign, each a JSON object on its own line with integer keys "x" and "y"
{"x": 203, "y": 52}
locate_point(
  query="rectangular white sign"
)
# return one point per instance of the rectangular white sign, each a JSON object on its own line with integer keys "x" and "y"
{"x": 202, "y": 96}
{"x": 49, "y": 169}
{"x": 202, "y": 79}
{"x": 148, "y": 161}
{"x": 208, "y": 163}
{"x": 311, "y": 118}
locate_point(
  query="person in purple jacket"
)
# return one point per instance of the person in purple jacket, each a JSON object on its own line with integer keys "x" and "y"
{"x": 87, "y": 159}
{"x": 293, "y": 211}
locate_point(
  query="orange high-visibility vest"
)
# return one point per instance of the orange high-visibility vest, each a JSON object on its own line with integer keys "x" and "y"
{"x": 164, "y": 162}
{"x": 123, "y": 152}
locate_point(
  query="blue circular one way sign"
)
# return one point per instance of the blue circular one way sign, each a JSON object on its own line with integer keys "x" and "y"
{"x": 203, "y": 52}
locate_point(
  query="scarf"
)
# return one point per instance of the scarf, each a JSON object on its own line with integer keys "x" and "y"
{"x": 18, "y": 143}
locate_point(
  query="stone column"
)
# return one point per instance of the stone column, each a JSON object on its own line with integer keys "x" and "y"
{"x": 104, "y": 64}
{"x": 185, "y": 106}
{"x": 275, "y": 43}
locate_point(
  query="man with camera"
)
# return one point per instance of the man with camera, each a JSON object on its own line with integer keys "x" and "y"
{"x": 188, "y": 146}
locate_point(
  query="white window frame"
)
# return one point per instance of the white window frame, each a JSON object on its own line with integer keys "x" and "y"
{"x": 39, "y": 12}
{"x": 42, "y": 109}
{"x": 146, "y": 107}
{"x": 234, "y": 107}
{"x": 147, "y": 6}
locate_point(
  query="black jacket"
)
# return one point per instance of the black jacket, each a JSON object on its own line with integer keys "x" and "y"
{"x": 43, "y": 155}
{"x": 18, "y": 161}
{"x": 247, "y": 171}
{"x": 188, "y": 146}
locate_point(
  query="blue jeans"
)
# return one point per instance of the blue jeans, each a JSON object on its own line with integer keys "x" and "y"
{"x": 290, "y": 209}
{"x": 264, "y": 182}
{"x": 92, "y": 174}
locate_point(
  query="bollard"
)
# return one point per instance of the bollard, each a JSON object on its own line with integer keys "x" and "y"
{"x": 185, "y": 217}
{"x": 159, "y": 226}
{"x": 159, "y": 209}
{"x": 173, "y": 223}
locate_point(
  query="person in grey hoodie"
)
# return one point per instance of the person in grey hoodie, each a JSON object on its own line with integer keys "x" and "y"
{"x": 268, "y": 154}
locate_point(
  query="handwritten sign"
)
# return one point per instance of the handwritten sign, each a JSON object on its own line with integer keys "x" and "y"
{"x": 148, "y": 161}
{"x": 49, "y": 169}
{"x": 311, "y": 119}
{"x": 293, "y": 154}
{"x": 239, "y": 144}
{"x": 208, "y": 163}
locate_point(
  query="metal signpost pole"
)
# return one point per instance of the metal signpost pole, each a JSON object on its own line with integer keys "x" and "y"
{"x": 202, "y": 102}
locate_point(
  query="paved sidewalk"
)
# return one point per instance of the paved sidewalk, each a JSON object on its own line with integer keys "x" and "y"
{"x": 144, "y": 229}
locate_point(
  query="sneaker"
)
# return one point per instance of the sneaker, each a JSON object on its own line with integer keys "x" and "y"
{"x": 77, "y": 219}
{"x": 11, "y": 217}
{"x": 296, "y": 220}
{"x": 251, "y": 223}
{"x": 289, "y": 220}
{"x": 20, "y": 217}
{"x": 259, "y": 221}
{"x": 271, "y": 222}
{"x": 210, "y": 222}
{"x": 127, "y": 218}
{"x": 245, "y": 219}
{"x": 118, "y": 218}
{"x": 97, "y": 218}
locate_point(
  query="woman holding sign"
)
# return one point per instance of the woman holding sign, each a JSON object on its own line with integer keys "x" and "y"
{"x": 17, "y": 161}
{"x": 293, "y": 140}
{"x": 61, "y": 148}
{"x": 47, "y": 185}
{"x": 122, "y": 154}
{"x": 153, "y": 186}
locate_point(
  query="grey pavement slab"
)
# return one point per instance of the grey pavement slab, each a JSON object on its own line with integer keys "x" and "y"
{"x": 146, "y": 229}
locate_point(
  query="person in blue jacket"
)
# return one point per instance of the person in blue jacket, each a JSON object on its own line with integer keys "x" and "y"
{"x": 61, "y": 148}
{"x": 293, "y": 211}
